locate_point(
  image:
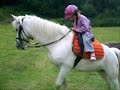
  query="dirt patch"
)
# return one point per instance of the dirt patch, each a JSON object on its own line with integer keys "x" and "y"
{"x": 117, "y": 45}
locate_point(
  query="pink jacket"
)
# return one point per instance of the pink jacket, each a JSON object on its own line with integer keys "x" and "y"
{"x": 83, "y": 25}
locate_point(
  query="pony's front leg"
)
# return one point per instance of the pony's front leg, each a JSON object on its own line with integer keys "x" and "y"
{"x": 61, "y": 77}
{"x": 64, "y": 84}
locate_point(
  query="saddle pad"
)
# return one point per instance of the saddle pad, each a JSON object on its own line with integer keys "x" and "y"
{"x": 99, "y": 52}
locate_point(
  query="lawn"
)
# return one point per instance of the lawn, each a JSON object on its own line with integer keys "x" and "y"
{"x": 31, "y": 70}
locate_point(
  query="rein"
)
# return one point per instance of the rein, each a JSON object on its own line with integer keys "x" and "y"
{"x": 37, "y": 46}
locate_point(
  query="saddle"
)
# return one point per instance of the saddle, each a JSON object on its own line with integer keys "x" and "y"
{"x": 98, "y": 49}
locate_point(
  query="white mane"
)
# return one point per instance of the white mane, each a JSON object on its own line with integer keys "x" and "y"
{"x": 47, "y": 30}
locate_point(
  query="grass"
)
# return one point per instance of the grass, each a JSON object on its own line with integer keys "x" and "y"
{"x": 31, "y": 70}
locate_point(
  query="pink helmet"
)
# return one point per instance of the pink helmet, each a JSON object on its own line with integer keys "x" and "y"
{"x": 70, "y": 11}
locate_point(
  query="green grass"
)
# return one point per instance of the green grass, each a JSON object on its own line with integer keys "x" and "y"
{"x": 31, "y": 70}
{"x": 107, "y": 34}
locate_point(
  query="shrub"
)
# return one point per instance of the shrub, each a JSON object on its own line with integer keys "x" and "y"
{"x": 107, "y": 21}
{"x": 63, "y": 21}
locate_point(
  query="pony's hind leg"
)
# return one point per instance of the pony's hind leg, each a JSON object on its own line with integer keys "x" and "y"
{"x": 112, "y": 77}
{"x": 114, "y": 83}
{"x": 111, "y": 80}
{"x": 104, "y": 76}
{"x": 119, "y": 75}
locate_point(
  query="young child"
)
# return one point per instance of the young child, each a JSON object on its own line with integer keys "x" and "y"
{"x": 82, "y": 26}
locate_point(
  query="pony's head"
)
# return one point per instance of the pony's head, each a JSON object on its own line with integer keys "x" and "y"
{"x": 22, "y": 36}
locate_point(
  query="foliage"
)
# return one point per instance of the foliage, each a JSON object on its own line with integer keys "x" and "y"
{"x": 88, "y": 9}
{"x": 106, "y": 22}
{"x": 55, "y": 9}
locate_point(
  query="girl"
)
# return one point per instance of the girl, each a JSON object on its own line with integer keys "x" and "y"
{"x": 82, "y": 26}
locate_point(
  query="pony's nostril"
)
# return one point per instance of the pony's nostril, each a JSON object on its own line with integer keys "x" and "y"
{"x": 20, "y": 47}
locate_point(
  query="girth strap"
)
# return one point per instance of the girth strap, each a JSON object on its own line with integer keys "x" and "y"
{"x": 77, "y": 60}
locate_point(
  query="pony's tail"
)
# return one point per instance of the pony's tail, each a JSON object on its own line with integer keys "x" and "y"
{"x": 117, "y": 52}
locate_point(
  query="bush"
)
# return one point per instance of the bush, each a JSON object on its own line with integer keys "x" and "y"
{"x": 96, "y": 22}
{"x": 105, "y": 19}
{"x": 63, "y": 21}
{"x": 106, "y": 22}
{"x": 88, "y": 10}
{"x": 5, "y": 13}
{"x": 48, "y": 8}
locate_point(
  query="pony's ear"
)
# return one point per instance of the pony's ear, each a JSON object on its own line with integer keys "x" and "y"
{"x": 14, "y": 17}
{"x": 26, "y": 15}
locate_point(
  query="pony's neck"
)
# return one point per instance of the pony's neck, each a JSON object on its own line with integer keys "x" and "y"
{"x": 45, "y": 31}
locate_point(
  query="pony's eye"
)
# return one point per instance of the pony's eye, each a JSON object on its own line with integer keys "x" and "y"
{"x": 18, "y": 23}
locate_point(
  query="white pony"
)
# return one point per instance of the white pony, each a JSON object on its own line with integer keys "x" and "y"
{"x": 60, "y": 52}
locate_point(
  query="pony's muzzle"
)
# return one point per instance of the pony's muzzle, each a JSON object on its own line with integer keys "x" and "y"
{"x": 19, "y": 47}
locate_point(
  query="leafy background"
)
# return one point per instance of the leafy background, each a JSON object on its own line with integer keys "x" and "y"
{"x": 100, "y": 12}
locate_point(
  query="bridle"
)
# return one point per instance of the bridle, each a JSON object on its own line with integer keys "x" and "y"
{"x": 20, "y": 30}
{"x": 20, "y": 37}
{"x": 20, "y": 33}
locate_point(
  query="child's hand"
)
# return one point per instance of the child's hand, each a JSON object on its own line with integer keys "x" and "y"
{"x": 73, "y": 28}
